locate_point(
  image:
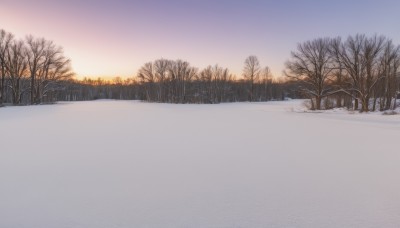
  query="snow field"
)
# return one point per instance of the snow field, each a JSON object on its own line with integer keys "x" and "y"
{"x": 131, "y": 164}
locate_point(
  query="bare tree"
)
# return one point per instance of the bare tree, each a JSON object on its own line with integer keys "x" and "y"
{"x": 251, "y": 73}
{"x": 56, "y": 68}
{"x": 5, "y": 40}
{"x": 161, "y": 67}
{"x": 146, "y": 76}
{"x": 205, "y": 77}
{"x": 17, "y": 64}
{"x": 47, "y": 65}
{"x": 389, "y": 66}
{"x": 266, "y": 81}
{"x": 312, "y": 65}
{"x": 181, "y": 74}
{"x": 35, "y": 53}
{"x": 359, "y": 56}
{"x": 339, "y": 79}
{"x": 222, "y": 77}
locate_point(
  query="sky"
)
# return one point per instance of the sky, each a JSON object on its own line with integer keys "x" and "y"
{"x": 116, "y": 37}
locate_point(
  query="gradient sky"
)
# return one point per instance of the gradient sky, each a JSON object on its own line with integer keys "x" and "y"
{"x": 115, "y": 37}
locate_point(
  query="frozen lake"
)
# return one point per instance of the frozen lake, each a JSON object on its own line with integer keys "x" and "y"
{"x": 117, "y": 164}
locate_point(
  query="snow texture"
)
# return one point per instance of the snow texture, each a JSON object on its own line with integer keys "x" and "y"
{"x": 117, "y": 164}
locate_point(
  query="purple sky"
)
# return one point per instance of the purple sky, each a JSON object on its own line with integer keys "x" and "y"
{"x": 115, "y": 37}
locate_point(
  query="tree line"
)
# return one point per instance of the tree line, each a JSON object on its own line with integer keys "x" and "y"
{"x": 35, "y": 70}
{"x": 359, "y": 72}
{"x": 210, "y": 86}
{"x": 176, "y": 81}
{"x": 30, "y": 69}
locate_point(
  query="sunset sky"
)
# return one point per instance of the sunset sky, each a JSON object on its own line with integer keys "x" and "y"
{"x": 114, "y": 38}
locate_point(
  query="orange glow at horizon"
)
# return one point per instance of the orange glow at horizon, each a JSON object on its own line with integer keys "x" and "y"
{"x": 101, "y": 49}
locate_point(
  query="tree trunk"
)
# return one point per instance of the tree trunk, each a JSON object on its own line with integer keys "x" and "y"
{"x": 374, "y": 105}
{"x": 32, "y": 89}
{"x": 2, "y": 85}
{"x": 339, "y": 101}
{"x": 312, "y": 104}
{"x": 388, "y": 102}
{"x": 251, "y": 91}
{"x": 365, "y": 104}
{"x": 318, "y": 103}
{"x": 355, "y": 104}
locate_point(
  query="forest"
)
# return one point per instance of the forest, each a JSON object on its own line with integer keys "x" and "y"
{"x": 360, "y": 73}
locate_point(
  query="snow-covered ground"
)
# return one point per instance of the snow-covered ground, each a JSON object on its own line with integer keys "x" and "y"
{"x": 117, "y": 164}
